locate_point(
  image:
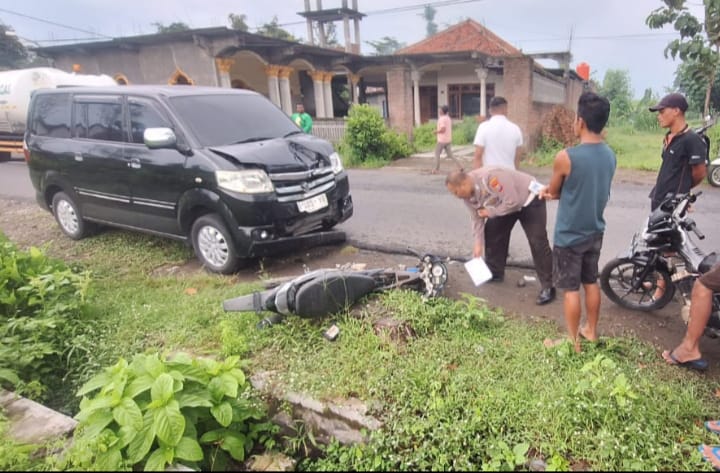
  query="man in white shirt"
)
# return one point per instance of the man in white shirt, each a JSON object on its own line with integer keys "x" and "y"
{"x": 498, "y": 141}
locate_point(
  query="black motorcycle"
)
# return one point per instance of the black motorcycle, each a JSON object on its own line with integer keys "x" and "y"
{"x": 326, "y": 291}
{"x": 663, "y": 255}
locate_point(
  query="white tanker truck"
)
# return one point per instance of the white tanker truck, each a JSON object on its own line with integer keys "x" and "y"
{"x": 16, "y": 87}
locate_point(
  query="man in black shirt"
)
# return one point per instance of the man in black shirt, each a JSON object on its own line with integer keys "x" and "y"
{"x": 684, "y": 156}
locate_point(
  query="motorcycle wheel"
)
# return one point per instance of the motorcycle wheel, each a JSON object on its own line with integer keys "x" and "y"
{"x": 620, "y": 275}
{"x": 714, "y": 175}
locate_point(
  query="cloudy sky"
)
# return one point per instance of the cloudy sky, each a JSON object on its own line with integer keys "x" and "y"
{"x": 609, "y": 34}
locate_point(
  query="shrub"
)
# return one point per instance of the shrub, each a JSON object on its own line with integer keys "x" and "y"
{"x": 155, "y": 412}
{"x": 368, "y": 140}
{"x": 464, "y": 131}
{"x": 41, "y": 313}
{"x": 423, "y": 137}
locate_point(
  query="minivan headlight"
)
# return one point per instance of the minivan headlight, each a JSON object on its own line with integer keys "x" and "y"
{"x": 250, "y": 181}
{"x": 336, "y": 163}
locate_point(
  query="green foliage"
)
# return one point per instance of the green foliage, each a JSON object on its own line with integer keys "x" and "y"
{"x": 155, "y": 412}
{"x": 385, "y": 46}
{"x": 171, "y": 28}
{"x": 274, "y": 30}
{"x": 616, "y": 88}
{"x": 424, "y": 138}
{"x": 368, "y": 139}
{"x": 464, "y": 130}
{"x": 428, "y": 15}
{"x": 238, "y": 21}
{"x": 15, "y": 456}
{"x": 13, "y": 53}
{"x": 41, "y": 315}
{"x": 699, "y": 40}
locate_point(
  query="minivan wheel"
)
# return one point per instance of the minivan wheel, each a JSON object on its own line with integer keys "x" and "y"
{"x": 213, "y": 245}
{"x": 714, "y": 175}
{"x": 68, "y": 217}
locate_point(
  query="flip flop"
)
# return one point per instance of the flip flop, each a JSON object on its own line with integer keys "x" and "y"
{"x": 698, "y": 364}
{"x": 711, "y": 453}
{"x": 713, "y": 426}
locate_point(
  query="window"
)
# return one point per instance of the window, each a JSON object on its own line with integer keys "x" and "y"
{"x": 144, "y": 115}
{"x": 52, "y": 115}
{"x": 464, "y": 99}
{"x": 99, "y": 121}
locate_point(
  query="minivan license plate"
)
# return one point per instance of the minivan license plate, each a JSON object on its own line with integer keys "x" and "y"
{"x": 313, "y": 204}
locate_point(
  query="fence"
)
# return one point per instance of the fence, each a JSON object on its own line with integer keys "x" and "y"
{"x": 332, "y": 130}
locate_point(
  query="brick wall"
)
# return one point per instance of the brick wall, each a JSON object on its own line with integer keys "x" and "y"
{"x": 400, "y": 100}
{"x": 517, "y": 79}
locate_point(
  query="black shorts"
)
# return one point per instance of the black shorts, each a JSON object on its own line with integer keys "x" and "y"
{"x": 578, "y": 264}
{"x": 711, "y": 279}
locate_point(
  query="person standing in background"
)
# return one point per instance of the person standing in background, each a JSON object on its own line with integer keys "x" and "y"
{"x": 498, "y": 141}
{"x": 302, "y": 119}
{"x": 444, "y": 139}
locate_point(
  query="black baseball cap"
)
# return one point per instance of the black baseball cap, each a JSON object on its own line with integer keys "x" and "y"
{"x": 671, "y": 101}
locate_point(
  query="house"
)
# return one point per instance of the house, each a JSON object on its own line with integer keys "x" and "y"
{"x": 463, "y": 67}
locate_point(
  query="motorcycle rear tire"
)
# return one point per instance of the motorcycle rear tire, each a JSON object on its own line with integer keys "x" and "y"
{"x": 617, "y": 278}
{"x": 713, "y": 175}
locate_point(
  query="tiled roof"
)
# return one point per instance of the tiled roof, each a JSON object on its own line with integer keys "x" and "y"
{"x": 466, "y": 36}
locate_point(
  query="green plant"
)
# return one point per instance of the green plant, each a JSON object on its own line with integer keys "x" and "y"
{"x": 368, "y": 140}
{"x": 156, "y": 411}
{"x": 42, "y": 303}
{"x": 424, "y": 137}
{"x": 464, "y": 130}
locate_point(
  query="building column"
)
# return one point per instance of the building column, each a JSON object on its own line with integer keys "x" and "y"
{"x": 224, "y": 65}
{"x": 273, "y": 84}
{"x": 285, "y": 93}
{"x": 399, "y": 97}
{"x": 319, "y": 92}
{"x": 327, "y": 88}
{"x": 482, "y": 74}
{"x": 354, "y": 80}
{"x": 415, "y": 76}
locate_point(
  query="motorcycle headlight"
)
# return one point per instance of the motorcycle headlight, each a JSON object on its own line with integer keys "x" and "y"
{"x": 336, "y": 163}
{"x": 250, "y": 181}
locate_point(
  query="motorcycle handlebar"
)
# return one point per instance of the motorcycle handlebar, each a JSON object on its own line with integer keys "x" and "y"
{"x": 693, "y": 227}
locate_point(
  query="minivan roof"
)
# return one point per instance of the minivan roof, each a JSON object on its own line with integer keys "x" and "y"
{"x": 150, "y": 90}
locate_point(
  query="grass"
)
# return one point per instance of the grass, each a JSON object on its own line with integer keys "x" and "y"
{"x": 471, "y": 390}
{"x": 638, "y": 150}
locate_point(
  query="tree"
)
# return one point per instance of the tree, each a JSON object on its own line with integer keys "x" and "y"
{"x": 429, "y": 15}
{"x": 171, "y": 28}
{"x": 694, "y": 88}
{"x": 238, "y": 22}
{"x": 699, "y": 42}
{"x": 330, "y": 34}
{"x": 385, "y": 46}
{"x": 13, "y": 53}
{"x": 273, "y": 30}
{"x": 616, "y": 87}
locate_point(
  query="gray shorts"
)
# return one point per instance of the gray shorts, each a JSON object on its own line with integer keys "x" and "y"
{"x": 578, "y": 264}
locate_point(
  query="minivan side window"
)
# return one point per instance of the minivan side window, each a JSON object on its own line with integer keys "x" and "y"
{"x": 52, "y": 115}
{"x": 142, "y": 116}
{"x": 99, "y": 121}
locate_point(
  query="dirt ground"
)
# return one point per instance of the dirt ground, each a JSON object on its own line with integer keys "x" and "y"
{"x": 28, "y": 225}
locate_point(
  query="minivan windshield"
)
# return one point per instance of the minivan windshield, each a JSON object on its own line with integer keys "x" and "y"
{"x": 219, "y": 120}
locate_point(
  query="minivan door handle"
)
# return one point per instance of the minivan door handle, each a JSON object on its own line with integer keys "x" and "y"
{"x": 134, "y": 163}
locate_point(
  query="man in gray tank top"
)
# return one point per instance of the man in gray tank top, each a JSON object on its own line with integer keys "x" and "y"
{"x": 581, "y": 179}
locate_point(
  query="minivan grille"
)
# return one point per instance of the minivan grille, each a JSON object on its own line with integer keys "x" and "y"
{"x": 296, "y": 186}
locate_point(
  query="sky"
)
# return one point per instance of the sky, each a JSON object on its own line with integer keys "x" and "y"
{"x": 606, "y": 34}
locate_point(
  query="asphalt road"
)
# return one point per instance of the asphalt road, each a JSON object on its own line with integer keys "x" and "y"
{"x": 402, "y": 206}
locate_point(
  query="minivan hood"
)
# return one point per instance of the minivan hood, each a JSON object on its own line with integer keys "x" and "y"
{"x": 279, "y": 155}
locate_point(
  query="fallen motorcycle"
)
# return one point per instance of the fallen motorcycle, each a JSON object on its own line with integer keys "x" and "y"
{"x": 663, "y": 251}
{"x": 327, "y": 291}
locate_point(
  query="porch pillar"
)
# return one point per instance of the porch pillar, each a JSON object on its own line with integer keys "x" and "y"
{"x": 272, "y": 73}
{"x": 415, "y": 76}
{"x": 224, "y": 65}
{"x": 354, "y": 80}
{"x": 285, "y": 93}
{"x": 327, "y": 88}
{"x": 482, "y": 74}
{"x": 319, "y": 92}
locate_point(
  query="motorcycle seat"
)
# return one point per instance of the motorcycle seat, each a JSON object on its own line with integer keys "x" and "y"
{"x": 330, "y": 293}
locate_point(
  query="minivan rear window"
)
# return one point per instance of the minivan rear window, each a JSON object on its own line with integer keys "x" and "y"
{"x": 52, "y": 115}
{"x": 218, "y": 120}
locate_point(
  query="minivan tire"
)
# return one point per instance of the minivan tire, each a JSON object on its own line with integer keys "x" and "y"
{"x": 69, "y": 218}
{"x": 214, "y": 245}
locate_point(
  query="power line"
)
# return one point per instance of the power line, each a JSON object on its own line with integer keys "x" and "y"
{"x": 53, "y": 23}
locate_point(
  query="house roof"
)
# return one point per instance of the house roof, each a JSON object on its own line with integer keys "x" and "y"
{"x": 466, "y": 36}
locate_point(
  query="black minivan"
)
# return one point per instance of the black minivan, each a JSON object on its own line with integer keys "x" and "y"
{"x": 223, "y": 169}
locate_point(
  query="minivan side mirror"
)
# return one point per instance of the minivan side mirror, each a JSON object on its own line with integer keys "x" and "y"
{"x": 156, "y": 138}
